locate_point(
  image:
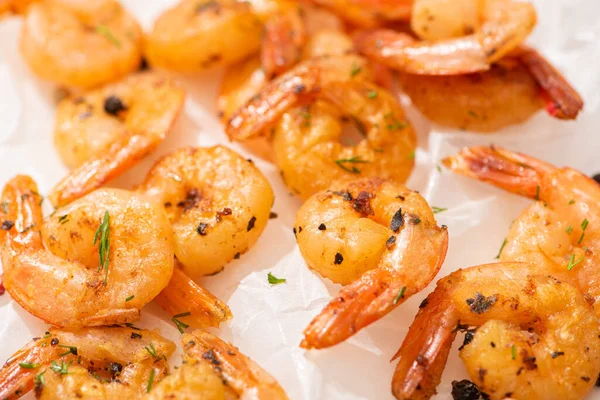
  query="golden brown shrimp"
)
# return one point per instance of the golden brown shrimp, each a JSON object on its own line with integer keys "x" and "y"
{"x": 90, "y": 363}
{"x": 376, "y": 236}
{"x": 79, "y": 43}
{"x": 534, "y": 337}
{"x": 97, "y": 261}
{"x": 307, "y": 145}
{"x": 187, "y": 382}
{"x": 237, "y": 372}
{"x": 556, "y": 234}
{"x": 104, "y": 132}
{"x": 509, "y": 93}
{"x": 506, "y": 25}
{"x": 218, "y": 203}
{"x": 505, "y": 95}
{"x": 196, "y": 35}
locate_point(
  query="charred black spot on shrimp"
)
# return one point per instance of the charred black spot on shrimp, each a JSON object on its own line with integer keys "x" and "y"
{"x": 201, "y": 229}
{"x": 362, "y": 203}
{"x": 251, "y": 224}
{"x": 210, "y": 355}
{"x": 480, "y": 303}
{"x": 466, "y": 390}
{"x": 192, "y": 198}
{"x": 345, "y": 195}
{"x": 397, "y": 221}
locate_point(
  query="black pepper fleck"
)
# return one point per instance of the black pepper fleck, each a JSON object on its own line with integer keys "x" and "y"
{"x": 390, "y": 242}
{"x": 54, "y": 342}
{"x": 322, "y": 227}
{"x": 480, "y": 303}
{"x": 557, "y": 354}
{"x": 251, "y": 224}
{"x": 210, "y": 355}
{"x": 135, "y": 335}
{"x": 397, "y": 221}
{"x": 338, "y": 258}
{"x": 466, "y": 390}
{"x": 113, "y": 105}
{"x": 7, "y": 225}
{"x": 201, "y": 229}
{"x": 424, "y": 303}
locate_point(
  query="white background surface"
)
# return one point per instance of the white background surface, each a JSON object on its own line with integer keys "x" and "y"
{"x": 268, "y": 321}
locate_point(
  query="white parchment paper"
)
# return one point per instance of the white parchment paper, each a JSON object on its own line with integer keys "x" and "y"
{"x": 268, "y": 320}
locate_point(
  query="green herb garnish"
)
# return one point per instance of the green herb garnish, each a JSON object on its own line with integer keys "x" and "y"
{"x": 573, "y": 263}
{"x": 501, "y": 248}
{"x": 28, "y": 365}
{"x": 150, "y": 380}
{"x": 103, "y": 236}
{"x": 372, "y": 94}
{"x": 62, "y": 369}
{"x": 355, "y": 70}
{"x": 354, "y": 160}
{"x": 181, "y": 325}
{"x": 273, "y": 280}
{"x": 537, "y": 192}
{"x": 569, "y": 229}
{"x": 72, "y": 350}
{"x": 513, "y": 351}
{"x": 63, "y": 220}
{"x": 584, "y": 225}
{"x": 104, "y": 31}
{"x": 438, "y": 209}
{"x": 399, "y": 296}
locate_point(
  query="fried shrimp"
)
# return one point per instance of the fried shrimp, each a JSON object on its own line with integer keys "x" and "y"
{"x": 97, "y": 261}
{"x": 79, "y": 43}
{"x": 218, "y": 203}
{"x": 195, "y": 35}
{"x": 557, "y": 233}
{"x": 378, "y": 238}
{"x": 104, "y": 132}
{"x": 90, "y": 363}
{"x": 534, "y": 337}
{"x": 237, "y": 372}
{"x": 283, "y": 38}
{"x": 506, "y": 25}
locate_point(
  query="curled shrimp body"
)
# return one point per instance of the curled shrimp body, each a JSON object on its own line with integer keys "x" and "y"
{"x": 54, "y": 270}
{"x": 556, "y": 234}
{"x": 105, "y": 131}
{"x": 79, "y": 43}
{"x": 307, "y": 145}
{"x": 306, "y": 141}
{"x": 239, "y": 374}
{"x": 506, "y": 25}
{"x": 196, "y": 35}
{"x": 90, "y": 363}
{"x": 376, "y": 236}
{"x": 218, "y": 203}
{"x": 535, "y": 337}
{"x": 369, "y": 13}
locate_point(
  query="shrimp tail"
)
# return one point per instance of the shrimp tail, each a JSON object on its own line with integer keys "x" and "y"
{"x": 242, "y": 374}
{"x": 276, "y": 98}
{"x": 512, "y": 171}
{"x": 94, "y": 173}
{"x": 562, "y": 100}
{"x": 183, "y": 295}
{"x": 21, "y": 212}
{"x": 376, "y": 293}
{"x": 283, "y": 38}
{"x": 425, "y": 349}
{"x": 15, "y": 380}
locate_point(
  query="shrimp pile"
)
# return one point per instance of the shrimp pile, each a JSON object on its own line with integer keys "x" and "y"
{"x": 90, "y": 363}
{"x": 97, "y": 261}
{"x": 378, "y": 238}
{"x": 218, "y": 204}
{"x": 82, "y": 44}
{"x": 493, "y": 79}
{"x": 557, "y": 233}
{"x": 104, "y": 132}
{"x": 532, "y": 336}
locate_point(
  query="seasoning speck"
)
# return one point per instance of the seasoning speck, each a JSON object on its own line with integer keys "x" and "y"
{"x": 113, "y": 105}
{"x": 251, "y": 224}
{"x": 201, "y": 229}
{"x": 480, "y": 303}
{"x": 7, "y": 225}
{"x": 322, "y": 227}
{"x": 338, "y": 258}
{"x": 397, "y": 221}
